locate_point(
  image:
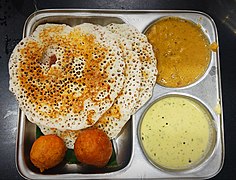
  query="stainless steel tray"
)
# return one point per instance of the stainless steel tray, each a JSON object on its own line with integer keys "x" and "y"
{"x": 131, "y": 161}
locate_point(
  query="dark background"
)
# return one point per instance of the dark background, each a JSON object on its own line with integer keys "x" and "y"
{"x": 13, "y": 14}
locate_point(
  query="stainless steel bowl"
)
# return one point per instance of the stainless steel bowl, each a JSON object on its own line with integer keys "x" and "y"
{"x": 212, "y": 128}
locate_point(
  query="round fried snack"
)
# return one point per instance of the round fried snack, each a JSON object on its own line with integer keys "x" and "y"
{"x": 47, "y": 152}
{"x": 93, "y": 147}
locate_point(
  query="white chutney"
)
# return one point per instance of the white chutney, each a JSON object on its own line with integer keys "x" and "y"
{"x": 177, "y": 133}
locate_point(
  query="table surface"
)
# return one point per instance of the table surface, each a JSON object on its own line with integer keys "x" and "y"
{"x": 14, "y": 13}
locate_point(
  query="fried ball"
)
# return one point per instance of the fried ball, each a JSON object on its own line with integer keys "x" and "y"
{"x": 93, "y": 147}
{"x": 47, "y": 151}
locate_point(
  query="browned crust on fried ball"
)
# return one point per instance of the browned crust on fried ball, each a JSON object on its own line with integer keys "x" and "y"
{"x": 47, "y": 151}
{"x": 93, "y": 147}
